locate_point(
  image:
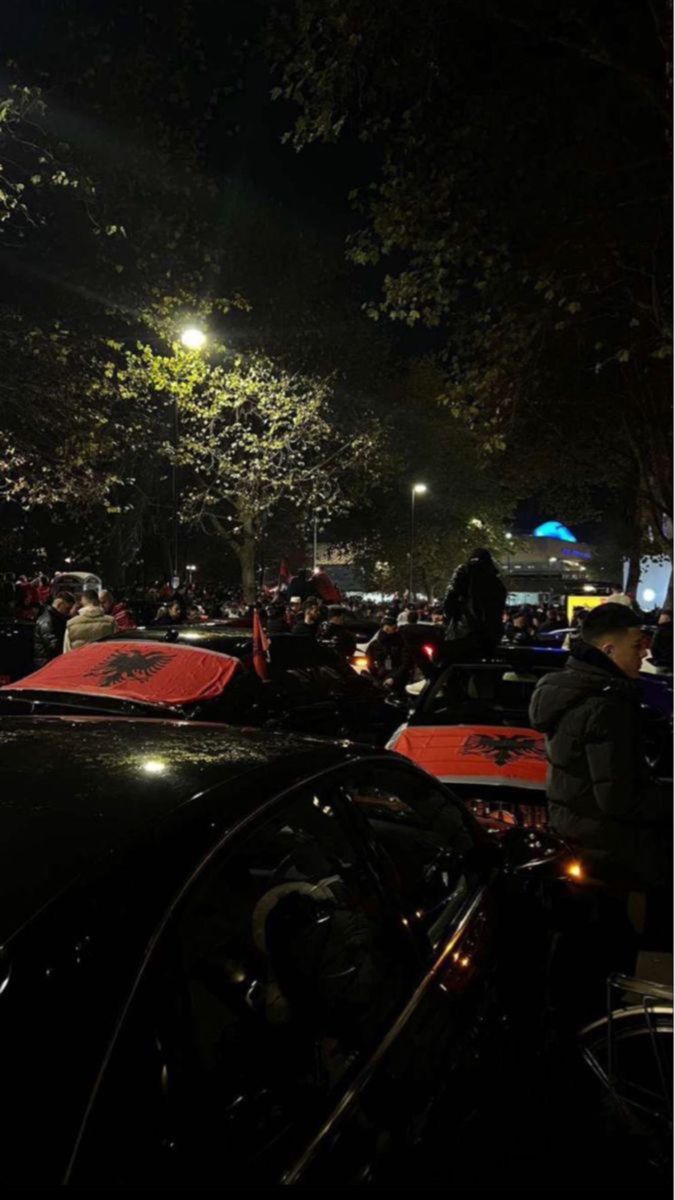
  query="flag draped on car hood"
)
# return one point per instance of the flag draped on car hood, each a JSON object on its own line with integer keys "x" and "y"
{"x": 493, "y": 754}
{"x": 149, "y": 672}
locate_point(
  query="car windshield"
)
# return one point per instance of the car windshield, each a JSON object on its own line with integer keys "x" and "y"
{"x": 479, "y": 694}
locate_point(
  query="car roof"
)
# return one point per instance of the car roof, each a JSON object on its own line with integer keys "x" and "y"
{"x": 136, "y": 670}
{"x": 196, "y": 632}
{"x": 74, "y": 790}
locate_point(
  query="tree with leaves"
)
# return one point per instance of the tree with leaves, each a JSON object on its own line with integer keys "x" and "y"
{"x": 519, "y": 209}
{"x": 251, "y": 437}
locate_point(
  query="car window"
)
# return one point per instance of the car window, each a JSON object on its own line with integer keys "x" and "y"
{"x": 425, "y": 837}
{"x": 273, "y": 983}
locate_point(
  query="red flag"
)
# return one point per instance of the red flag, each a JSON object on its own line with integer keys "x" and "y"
{"x": 261, "y": 645}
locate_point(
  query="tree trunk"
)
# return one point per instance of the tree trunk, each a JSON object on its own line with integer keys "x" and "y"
{"x": 634, "y": 559}
{"x": 246, "y": 553}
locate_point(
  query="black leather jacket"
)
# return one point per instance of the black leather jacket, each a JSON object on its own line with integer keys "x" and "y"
{"x": 50, "y": 629}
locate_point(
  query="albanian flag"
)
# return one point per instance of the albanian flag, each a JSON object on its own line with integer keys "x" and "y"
{"x": 261, "y": 645}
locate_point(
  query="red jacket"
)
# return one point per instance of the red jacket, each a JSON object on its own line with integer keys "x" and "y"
{"x": 123, "y": 618}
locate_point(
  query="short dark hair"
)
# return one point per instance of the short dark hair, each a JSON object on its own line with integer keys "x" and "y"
{"x": 67, "y": 596}
{"x": 90, "y": 596}
{"x": 312, "y": 602}
{"x": 413, "y": 616}
{"x": 608, "y": 618}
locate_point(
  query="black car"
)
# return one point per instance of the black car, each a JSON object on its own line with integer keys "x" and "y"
{"x": 243, "y": 958}
{"x": 470, "y": 727}
{"x": 310, "y": 689}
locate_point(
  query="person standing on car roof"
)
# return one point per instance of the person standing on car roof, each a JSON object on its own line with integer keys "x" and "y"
{"x": 599, "y": 792}
{"x": 473, "y": 608}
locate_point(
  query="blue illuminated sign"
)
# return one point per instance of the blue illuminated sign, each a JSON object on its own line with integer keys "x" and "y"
{"x": 553, "y": 529}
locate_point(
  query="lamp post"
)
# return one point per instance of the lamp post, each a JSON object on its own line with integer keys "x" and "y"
{"x": 418, "y": 489}
{"x": 509, "y": 553}
{"x": 194, "y": 339}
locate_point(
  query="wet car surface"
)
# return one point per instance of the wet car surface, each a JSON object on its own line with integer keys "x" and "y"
{"x": 239, "y": 954}
{"x": 311, "y": 689}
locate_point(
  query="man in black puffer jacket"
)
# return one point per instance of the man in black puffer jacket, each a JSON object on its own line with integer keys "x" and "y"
{"x": 599, "y": 793}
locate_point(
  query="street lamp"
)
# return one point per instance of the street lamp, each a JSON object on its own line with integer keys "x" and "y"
{"x": 190, "y": 568}
{"x": 193, "y": 338}
{"x": 418, "y": 489}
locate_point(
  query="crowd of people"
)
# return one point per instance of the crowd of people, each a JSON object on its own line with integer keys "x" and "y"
{"x": 473, "y": 618}
{"x": 589, "y": 711}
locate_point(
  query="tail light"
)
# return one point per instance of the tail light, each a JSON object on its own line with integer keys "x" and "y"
{"x": 574, "y": 870}
{"x": 430, "y": 652}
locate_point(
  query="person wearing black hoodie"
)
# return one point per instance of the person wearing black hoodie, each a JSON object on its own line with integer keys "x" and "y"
{"x": 474, "y": 609}
{"x": 600, "y": 795}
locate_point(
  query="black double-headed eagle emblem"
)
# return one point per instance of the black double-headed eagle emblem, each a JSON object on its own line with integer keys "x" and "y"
{"x": 126, "y": 664}
{"x": 503, "y": 748}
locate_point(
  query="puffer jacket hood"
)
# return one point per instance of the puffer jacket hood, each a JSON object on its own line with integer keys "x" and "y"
{"x": 600, "y": 796}
{"x": 90, "y": 624}
{"x": 588, "y": 673}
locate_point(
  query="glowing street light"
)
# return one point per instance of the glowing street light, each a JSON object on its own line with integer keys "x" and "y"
{"x": 154, "y": 766}
{"x": 418, "y": 489}
{"x": 193, "y": 338}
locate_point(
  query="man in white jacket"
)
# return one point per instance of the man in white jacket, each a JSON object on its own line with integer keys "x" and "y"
{"x": 90, "y": 625}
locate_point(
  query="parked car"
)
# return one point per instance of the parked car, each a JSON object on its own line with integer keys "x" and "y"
{"x": 470, "y": 727}
{"x": 239, "y": 958}
{"x": 75, "y": 582}
{"x": 206, "y": 673}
